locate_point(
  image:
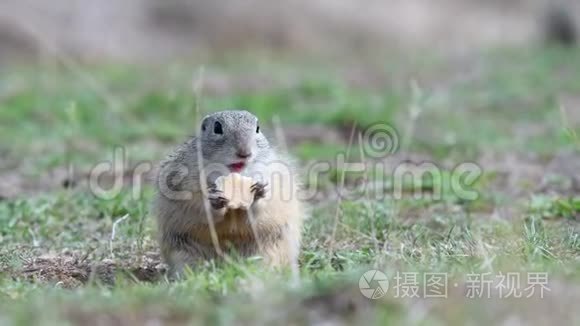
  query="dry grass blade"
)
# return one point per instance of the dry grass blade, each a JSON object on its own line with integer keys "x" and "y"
{"x": 340, "y": 188}
{"x": 113, "y": 233}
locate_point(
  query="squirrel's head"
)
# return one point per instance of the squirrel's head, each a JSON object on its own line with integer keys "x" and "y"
{"x": 232, "y": 138}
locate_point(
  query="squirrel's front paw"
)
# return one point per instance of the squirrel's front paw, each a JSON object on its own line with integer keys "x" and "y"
{"x": 259, "y": 190}
{"x": 216, "y": 198}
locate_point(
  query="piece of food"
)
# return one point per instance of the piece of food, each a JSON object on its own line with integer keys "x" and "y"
{"x": 236, "y": 188}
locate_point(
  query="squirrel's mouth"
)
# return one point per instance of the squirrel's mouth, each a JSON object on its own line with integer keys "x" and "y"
{"x": 237, "y": 167}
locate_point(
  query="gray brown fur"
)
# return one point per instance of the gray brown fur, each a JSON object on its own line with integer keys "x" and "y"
{"x": 183, "y": 200}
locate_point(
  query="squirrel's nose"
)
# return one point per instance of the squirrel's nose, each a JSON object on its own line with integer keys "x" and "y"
{"x": 243, "y": 154}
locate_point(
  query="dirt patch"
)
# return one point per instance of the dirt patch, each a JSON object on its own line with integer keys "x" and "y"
{"x": 71, "y": 271}
{"x": 14, "y": 184}
{"x": 522, "y": 174}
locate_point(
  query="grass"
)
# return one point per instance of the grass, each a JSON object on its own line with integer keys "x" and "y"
{"x": 59, "y": 261}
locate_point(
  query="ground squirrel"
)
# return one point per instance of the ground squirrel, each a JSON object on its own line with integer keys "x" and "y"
{"x": 228, "y": 141}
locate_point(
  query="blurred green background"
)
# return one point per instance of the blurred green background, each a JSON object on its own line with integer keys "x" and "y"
{"x": 495, "y": 83}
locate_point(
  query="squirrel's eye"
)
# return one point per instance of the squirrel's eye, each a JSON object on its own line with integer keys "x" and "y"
{"x": 203, "y": 126}
{"x": 217, "y": 128}
{"x": 257, "y": 129}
